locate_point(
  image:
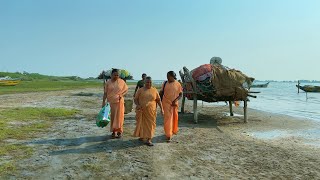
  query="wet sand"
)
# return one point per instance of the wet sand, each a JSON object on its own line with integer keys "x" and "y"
{"x": 269, "y": 146}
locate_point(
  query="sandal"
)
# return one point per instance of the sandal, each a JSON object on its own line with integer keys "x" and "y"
{"x": 168, "y": 139}
{"x": 149, "y": 144}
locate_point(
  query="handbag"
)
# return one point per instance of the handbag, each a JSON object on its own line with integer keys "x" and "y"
{"x": 162, "y": 90}
{"x": 103, "y": 117}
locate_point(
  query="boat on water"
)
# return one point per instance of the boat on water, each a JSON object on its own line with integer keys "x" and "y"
{"x": 309, "y": 88}
{"x": 260, "y": 85}
{"x": 7, "y": 81}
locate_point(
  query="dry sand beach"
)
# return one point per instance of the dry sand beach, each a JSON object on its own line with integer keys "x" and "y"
{"x": 218, "y": 147}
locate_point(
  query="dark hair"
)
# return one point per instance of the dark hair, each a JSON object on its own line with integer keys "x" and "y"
{"x": 144, "y": 74}
{"x": 172, "y": 74}
{"x": 114, "y": 70}
{"x": 148, "y": 78}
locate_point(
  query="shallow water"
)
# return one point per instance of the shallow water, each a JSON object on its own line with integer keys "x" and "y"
{"x": 269, "y": 134}
{"x": 283, "y": 98}
{"x": 310, "y": 136}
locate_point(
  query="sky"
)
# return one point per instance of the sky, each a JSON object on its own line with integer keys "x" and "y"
{"x": 265, "y": 39}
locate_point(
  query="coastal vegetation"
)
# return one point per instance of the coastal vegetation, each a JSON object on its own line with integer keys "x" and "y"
{"x": 34, "y": 82}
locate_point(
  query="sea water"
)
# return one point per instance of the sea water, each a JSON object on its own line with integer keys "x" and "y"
{"x": 154, "y": 82}
{"x": 283, "y": 98}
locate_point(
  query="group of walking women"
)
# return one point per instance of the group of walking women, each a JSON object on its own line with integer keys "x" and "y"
{"x": 147, "y": 99}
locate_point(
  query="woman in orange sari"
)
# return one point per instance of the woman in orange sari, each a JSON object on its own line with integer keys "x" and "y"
{"x": 146, "y": 100}
{"x": 114, "y": 90}
{"x": 172, "y": 92}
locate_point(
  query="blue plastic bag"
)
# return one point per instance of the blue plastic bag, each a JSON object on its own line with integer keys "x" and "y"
{"x": 104, "y": 118}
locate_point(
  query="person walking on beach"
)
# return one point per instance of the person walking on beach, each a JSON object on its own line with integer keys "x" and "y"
{"x": 146, "y": 100}
{"x": 140, "y": 83}
{"x": 172, "y": 92}
{"x": 114, "y": 90}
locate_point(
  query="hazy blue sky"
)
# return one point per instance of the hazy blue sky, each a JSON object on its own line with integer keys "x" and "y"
{"x": 265, "y": 39}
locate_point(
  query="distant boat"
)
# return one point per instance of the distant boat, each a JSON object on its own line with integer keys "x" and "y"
{"x": 7, "y": 81}
{"x": 260, "y": 85}
{"x": 309, "y": 88}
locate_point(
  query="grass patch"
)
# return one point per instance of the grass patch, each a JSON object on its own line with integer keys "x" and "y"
{"x": 24, "y": 123}
{"x": 21, "y": 123}
{"x": 7, "y": 167}
{"x": 30, "y": 113}
{"x": 47, "y": 85}
{"x": 19, "y": 150}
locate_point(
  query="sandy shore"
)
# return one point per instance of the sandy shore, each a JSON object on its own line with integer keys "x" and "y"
{"x": 269, "y": 146}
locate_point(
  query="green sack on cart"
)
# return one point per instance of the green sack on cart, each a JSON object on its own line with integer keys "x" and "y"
{"x": 104, "y": 118}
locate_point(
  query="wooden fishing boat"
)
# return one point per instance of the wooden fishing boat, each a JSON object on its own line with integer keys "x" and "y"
{"x": 9, "y": 82}
{"x": 260, "y": 85}
{"x": 309, "y": 88}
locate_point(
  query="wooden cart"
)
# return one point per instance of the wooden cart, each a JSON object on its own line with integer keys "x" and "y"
{"x": 195, "y": 95}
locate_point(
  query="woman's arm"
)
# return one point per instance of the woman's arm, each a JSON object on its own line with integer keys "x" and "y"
{"x": 158, "y": 100}
{"x": 160, "y": 105}
{"x": 104, "y": 95}
{"x": 124, "y": 90}
{"x": 136, "y": 99}
{"x": 135, "y": 91}
{"x": 177, "y": 99}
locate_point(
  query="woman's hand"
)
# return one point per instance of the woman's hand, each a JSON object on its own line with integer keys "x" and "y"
{"x": 174, "y": 103}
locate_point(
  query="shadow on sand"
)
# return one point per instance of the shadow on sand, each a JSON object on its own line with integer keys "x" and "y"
{"x": 207, "y": 121}
{"x": 97, "y": 144}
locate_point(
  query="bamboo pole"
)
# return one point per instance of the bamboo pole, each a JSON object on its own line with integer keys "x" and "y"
{"x": 183, "y": 102}
{"x": 245, "y": 111}
{"x": 195, "y": 98}
{"x": 195, "y": 108}
{"x": 183, "y": 97}
{"x": 306, "y": 96}
{"x": 230, "y": 107}
{"x": 252, "y": 96}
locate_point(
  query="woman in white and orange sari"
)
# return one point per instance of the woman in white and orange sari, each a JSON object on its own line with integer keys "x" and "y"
{"x": 172, "y": 92}
{"x": 114, "y": 90}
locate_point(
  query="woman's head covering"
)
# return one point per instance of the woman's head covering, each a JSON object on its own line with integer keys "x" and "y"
{"x": 172, "y": 74}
